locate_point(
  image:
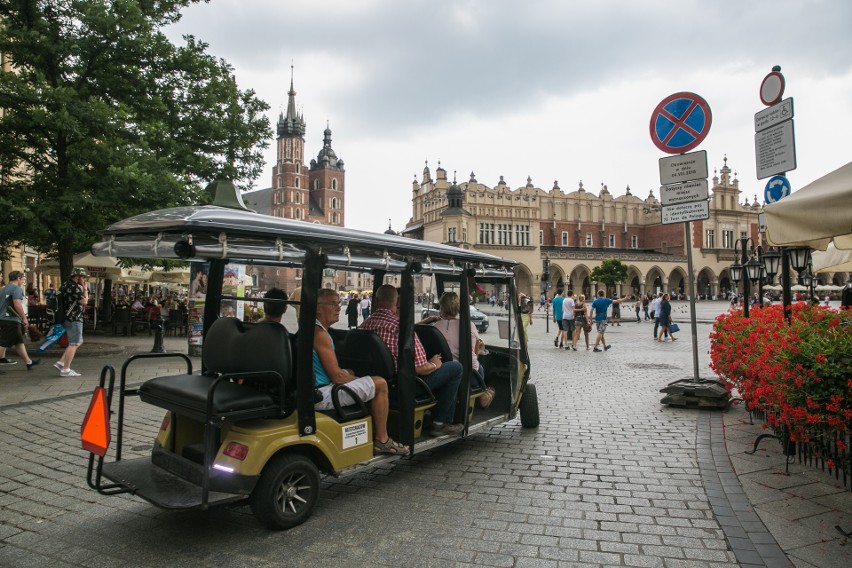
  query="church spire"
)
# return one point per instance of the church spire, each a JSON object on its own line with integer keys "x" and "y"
{"x": 293, "y": 124}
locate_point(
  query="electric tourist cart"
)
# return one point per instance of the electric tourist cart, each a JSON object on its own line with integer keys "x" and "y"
{"x": 244, "y": 427}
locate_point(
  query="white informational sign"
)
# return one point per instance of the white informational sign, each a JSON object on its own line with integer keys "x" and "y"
{"x": 355, "y": 435}
{"x": 775, "y": 149}
{"x": 683, "y": 167}
{"x": 773, "y": 115}
{"x": 761, "y": 222}
{"x": 684, "y": 192}
{"x": 683, "y": 212}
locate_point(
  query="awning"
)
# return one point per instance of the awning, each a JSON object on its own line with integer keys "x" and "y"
{"x": 816, "y": 215}
{"x": 832, "y": 260}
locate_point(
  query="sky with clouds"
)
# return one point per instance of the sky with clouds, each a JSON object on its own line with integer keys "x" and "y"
{"x": 554, "y": 90}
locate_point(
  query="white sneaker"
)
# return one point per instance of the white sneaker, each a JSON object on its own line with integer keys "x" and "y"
{"x": 69, "y": 373}
{"x": 58, "y": 365}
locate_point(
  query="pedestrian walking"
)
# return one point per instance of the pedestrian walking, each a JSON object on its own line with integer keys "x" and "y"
{"x": 13, "y": 320}
{"x": 365, "y": 306}
{"x": 557, "y": 318}
{"x": 616, "y": 312}
{"x": 638, "y": 306}
{"x": 352, "y": 311}
{"x": 581, "y": 321}
{"x": 645, "y": 301}
{"x": 655, "y": 313}
{"x": 665, "y": 318}
{"x": 599, "y": 308}
{"x": 75, "y": 295}
{"x": 568, "y": 320}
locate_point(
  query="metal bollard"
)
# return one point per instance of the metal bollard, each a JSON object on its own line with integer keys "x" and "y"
{"x": 157, "y": 326}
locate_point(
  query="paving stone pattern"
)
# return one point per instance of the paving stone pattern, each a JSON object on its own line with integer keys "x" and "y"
{"x": 610, "y": 478}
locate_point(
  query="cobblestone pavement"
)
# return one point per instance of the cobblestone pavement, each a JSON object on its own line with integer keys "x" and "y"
{"x": 610, "y": 478}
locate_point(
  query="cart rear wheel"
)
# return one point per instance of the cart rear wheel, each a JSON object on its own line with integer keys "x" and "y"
{"x": 529, "y": 407}
{"x": 287, "y": 491}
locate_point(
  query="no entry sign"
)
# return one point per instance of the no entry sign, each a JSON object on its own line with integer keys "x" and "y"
{"x": 680, "y": 123}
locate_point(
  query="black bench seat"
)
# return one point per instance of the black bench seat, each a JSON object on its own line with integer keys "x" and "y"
{"x": 248, "y": 375}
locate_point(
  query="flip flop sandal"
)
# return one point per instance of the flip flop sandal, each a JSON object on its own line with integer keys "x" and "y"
{"x": 389, "y": 447}
{"x": 487, "y": 397}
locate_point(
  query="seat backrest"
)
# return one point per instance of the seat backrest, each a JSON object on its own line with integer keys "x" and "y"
{"x": 366, "y": 354}
{"x": 175, "y": 315}
{"x": 433, "y": 341}
{"x": 234, "y": 346}
{"x": 121, "y": 315}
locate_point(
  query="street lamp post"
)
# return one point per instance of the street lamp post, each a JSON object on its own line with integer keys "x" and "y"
{"x": 752, "y": 267}
{"x": 798, "y": 258}
{"x": 545, "y": 284}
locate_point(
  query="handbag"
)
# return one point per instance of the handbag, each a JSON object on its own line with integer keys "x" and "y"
{"x": 674, "y": 328}
{"x": 587, "y": 326}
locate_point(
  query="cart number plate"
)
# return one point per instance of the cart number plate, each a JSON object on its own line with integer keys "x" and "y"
{"x": 355, "y": 435}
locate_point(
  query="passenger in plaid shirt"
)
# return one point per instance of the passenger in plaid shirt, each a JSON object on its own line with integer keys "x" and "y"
{"x": 443, "y": 377}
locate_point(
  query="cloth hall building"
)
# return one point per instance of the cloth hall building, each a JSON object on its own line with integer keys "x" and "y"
{"x": 577, "y": 230}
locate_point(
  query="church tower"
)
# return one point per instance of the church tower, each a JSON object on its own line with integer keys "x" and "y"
{"x": 290, "y": 198}
{"x": 326, "y": 177}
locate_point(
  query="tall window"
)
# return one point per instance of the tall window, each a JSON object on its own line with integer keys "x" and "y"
{"x": 634, "y": 241}
{"x": 464, "y": 234}
{"x": 727, "y": 239}
{"x": 710, "y": 238}
{"x": 334, "y": 183}
{"x": 589, "y": 240}
{"x": 612, "y": 241}
{"x": 564, "y": 238}
{"x": 486, "y": 233}
{"x": 451, "y": 234}
{"x": 297, "y": 183}
{"x": 541, "y": 237}
{"x": 504, "y": 234}
{"x": 522, "y": 235}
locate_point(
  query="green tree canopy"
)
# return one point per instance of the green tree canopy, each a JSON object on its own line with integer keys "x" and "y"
{"x": 103, "y": 117}
{"x": 611, "y": 271}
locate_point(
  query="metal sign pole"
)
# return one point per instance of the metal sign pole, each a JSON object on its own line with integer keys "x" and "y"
{"x": 691, "y": 290}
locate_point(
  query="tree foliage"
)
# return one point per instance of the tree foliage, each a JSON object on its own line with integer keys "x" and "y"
{"x": 611, "y": 271}
{"x": 103, "y": 117}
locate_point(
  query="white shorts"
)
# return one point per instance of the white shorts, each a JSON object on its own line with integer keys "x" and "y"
{"x": 364, "y": 387}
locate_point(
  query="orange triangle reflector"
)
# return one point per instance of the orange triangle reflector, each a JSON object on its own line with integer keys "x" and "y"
{"x": 95, "y": 433}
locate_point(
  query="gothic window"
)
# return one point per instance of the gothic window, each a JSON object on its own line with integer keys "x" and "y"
{"x": 297, "y": 183}
{"x": 288, "y": 153}
{"x": 334, "y": 183}
{"x": 316, "y": 184}
{"x": 298, "y": 168}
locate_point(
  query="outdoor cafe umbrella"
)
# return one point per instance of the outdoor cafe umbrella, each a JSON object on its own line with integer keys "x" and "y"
{"x": 832, "y": 260}
{"x": 814, "y": 216}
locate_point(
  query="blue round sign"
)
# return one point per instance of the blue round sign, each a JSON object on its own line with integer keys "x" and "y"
{"x": 777, "y": 188}
{"x": 680, "y": 123}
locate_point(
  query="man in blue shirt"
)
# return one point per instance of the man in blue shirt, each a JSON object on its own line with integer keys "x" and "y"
{"x": 557, "y": 317}
{"x": 599, "y": 307}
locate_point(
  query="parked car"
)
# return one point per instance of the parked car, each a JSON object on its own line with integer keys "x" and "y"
{"x": 479, "y": 319}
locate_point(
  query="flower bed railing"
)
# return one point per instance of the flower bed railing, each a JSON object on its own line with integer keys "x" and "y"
{"x": 797, "y": 377}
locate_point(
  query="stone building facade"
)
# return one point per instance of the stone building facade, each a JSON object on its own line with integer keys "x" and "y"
{"x": 577, "y": 230}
